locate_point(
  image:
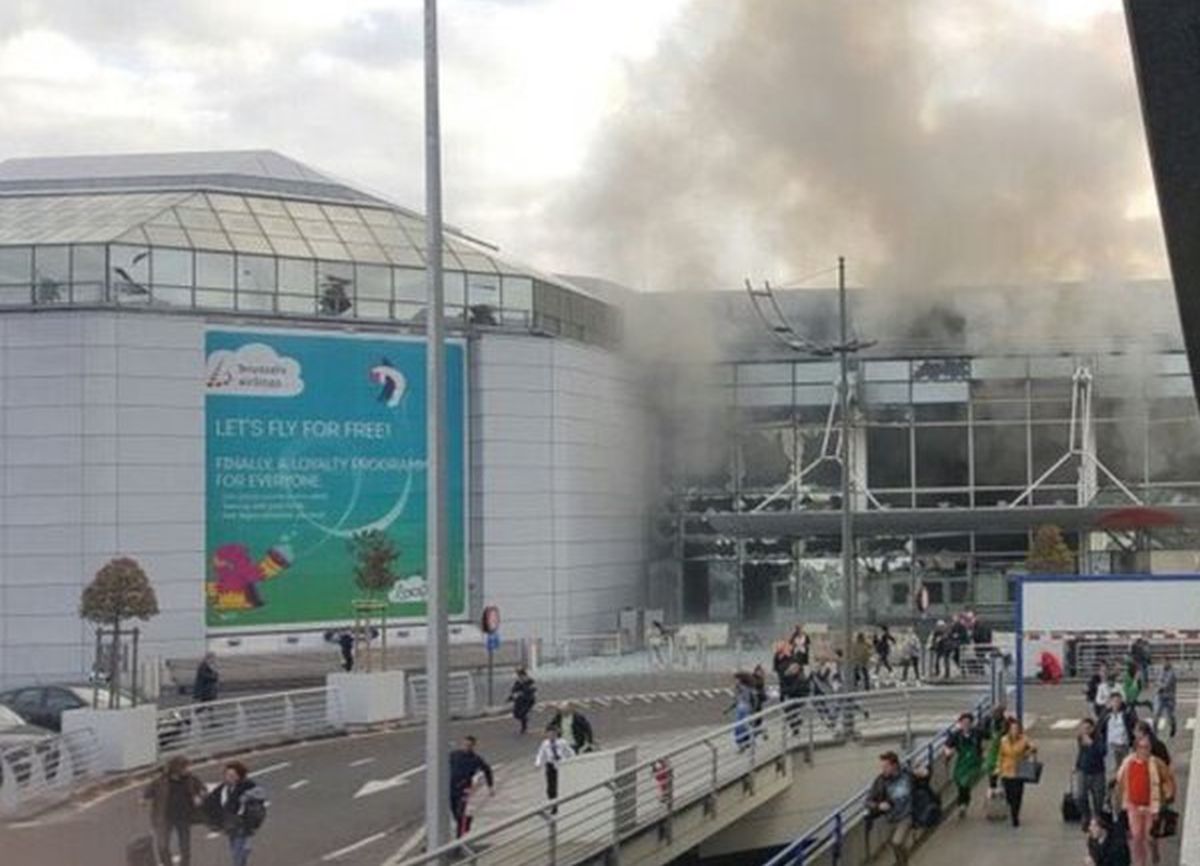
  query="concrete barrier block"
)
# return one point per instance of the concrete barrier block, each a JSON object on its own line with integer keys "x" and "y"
{"x": 368, "y": 697}
{"x": 128, "y": 737}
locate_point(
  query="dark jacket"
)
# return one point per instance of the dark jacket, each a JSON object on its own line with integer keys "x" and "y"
{"x": 523, "y": 697}
{"x": 204, "y": 688}
{"x": 173, "y": 800}
{"x": 580, "y": 734}
{"x": 1128, "y": 716}
{"x": 893, "y": 790}
{"x": 228, "y": 814}
{"x": 1089, "y": 760}
{"x": 793, "y": 686}
{"x": 1092, "y": 687}
{"x": 463, "y": 767}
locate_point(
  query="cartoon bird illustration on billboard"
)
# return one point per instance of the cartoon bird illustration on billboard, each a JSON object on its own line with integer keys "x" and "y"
{"x": 236, "y": 575}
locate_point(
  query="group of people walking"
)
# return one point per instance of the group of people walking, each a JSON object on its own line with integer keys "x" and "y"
{"x": 236, "y": 806}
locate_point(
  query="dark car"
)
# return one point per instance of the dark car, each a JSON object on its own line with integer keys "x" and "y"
{"x": 43, "y": 705}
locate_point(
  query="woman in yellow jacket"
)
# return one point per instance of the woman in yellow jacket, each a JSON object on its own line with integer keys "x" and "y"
{"x": 1014, "y": 748}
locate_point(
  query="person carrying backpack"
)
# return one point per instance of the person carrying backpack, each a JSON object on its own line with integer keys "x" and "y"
{"x": 237, "y": 807}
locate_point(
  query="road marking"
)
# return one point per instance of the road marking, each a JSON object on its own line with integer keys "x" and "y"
{"x": 374, "y": 786}
{"x": 1064, "y": 724}
{"x": 349, "y": 849}
{"x": 1191, "y": 724}
{"x": 212, "y": 835}
{"x": 362, "y": 762}
{"x": 297, "y": 784}
{"x": 604, "y": 702}
{"x": 646, "y": 718}
{"x": 274, "y": 768}
{"x": 410, "y": 845}
{"x": 624, "y": 700}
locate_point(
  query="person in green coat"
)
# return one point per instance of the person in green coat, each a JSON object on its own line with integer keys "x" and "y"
{"x": 964, "y": 746}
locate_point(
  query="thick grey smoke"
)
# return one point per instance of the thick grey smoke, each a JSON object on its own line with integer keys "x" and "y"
{"x": 932, "y": 142}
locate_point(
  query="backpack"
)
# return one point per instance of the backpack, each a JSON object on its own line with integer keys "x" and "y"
{"x": 254, "y": 813}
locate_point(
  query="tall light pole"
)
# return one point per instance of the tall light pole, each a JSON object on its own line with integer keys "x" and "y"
{"x": 843, "y": 349}
{"x": 772, "y": 316}
{"x": 437, "y": 821}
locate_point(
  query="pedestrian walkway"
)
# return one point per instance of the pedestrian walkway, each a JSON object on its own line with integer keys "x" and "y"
{"x": 1043, "y": 839}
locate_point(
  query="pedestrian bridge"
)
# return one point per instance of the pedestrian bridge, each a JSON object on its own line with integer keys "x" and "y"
{"x": 709, "y": 794}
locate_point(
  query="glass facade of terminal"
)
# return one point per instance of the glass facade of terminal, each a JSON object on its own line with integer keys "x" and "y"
{"x": 263, "y": 255}
{"x": 944, "y": 432}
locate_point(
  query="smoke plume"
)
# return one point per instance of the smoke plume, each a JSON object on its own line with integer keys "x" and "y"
{"x": 932, "y": 142}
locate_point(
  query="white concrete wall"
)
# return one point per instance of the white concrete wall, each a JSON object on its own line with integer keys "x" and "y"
{"x": 103, "y": 454}
{"x": 559, "y": 442}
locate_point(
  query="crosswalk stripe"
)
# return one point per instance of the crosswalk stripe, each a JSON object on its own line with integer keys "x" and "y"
{"x": 1064, "y": 724}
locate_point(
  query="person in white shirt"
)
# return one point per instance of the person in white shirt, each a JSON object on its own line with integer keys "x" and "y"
{"x": 552, "y": 751}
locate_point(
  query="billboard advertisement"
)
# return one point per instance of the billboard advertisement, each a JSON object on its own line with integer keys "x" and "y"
{"x": 311, "y": 439}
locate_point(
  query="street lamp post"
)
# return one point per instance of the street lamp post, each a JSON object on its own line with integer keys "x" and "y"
{"x": 848, "y": 577}
{"x": 436, "y": 613}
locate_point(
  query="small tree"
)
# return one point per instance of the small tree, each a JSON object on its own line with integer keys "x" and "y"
{"x": 375, "y": 556}
{"x": 119, "y": 591}
{"x": 1049, "y": 554}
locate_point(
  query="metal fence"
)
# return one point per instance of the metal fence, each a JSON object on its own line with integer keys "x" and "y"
{"x": 200, "y": 730}
{"x": 1183, "y": 653}
{"x": 587, "y": 823}
{"x": 832, "y": 832}
{"x": 46, "y": 771}
{"x": 463, "y": 695}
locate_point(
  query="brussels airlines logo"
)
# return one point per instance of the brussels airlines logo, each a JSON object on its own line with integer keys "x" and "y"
{"x": 253, "y": 370}
{"x": 391, "y": 383}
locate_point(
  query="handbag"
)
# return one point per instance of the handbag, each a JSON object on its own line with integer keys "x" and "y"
{"x": 1166, "y": 823}
{"x": 1029, "y": 771}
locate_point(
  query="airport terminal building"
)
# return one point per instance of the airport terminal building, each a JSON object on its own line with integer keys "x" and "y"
{"x": 214, "y": 363}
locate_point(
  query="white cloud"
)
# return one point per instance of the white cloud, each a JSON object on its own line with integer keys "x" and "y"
{"x": 253, "y": 370}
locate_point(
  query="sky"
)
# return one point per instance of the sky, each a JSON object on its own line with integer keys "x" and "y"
{"x": 534, "y": 92}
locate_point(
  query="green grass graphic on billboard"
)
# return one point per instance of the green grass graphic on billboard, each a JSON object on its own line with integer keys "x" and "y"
{"x": 311, "y": 439}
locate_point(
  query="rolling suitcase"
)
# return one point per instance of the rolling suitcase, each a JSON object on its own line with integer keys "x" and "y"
{"x": 995, "y": 808}
{"x": 1071, "y": 813}
{"x": 140, "y": 852}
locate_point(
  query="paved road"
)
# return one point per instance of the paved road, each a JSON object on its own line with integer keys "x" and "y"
{"x": 314, "y": 811}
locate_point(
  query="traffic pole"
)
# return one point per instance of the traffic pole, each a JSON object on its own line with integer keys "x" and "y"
{"x": 437, "y": 784}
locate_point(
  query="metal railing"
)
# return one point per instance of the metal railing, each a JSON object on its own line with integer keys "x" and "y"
{"x": 1183, "y": 653}
{"x": 576, "y": 646}
{"x": 831, "y": 833}
{"x": 218, "y": 727}
{"x": 1189, "y": 836}
{"x": 43, "y": 772}
{"x": 597, "y": 818}
{"x": 463, "y": 694}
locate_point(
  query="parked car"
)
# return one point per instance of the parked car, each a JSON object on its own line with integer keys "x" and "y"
{"x": 44, "y": 705}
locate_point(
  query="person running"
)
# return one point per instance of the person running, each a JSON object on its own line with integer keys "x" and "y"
{"x": 801, "y": 645}
{"x": 553, "y": 751}
{"x": 465, "y": 764}
{"x": 1116, "y": 728}
{"x": 237, "y": 807}
{"x": 1104, "y": 691}
{"x": 860, "y": 661}
{"x": 782, "y": 659}
{"x": 742, "y": 708}
{"x": 345, "y": 642}
{"x": 522, "y": 696}
{"x": 575, "y": 727}
{"x": 1160, "y": 751}
{"x": 910, "y": 657}
{"x": 758, "y": 703}
{"x": 1164, "y": 698}
{"x": 1015, "y": 747}
{"x": 794, "y": 686}
{"x": 883, "y": 648}
{"x": 965, "y": 746}
{"x": 1142, "y": 791}
{"x": 1091, "y": 782}
{"x": 890, "y": 797}
{"x": 174, "y": 798}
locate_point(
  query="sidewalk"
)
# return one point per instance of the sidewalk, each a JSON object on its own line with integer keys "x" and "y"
{"x": 1043, "y": 839}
